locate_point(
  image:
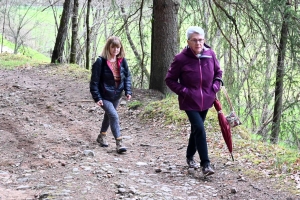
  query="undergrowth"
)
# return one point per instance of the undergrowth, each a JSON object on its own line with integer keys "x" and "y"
{"x": 166, "y": 109}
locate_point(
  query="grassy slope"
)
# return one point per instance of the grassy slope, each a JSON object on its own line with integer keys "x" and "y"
{"x": 27, "y": 57}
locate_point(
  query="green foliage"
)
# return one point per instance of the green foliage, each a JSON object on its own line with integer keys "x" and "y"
{"x": 256, "y": 137}
{"x": 43, "y": 20}
{"x": 10, "y": 61}
{"x": 134, "y": 105}
{"x": 25, "y": 57}
{"x": 267, "y": 156}
{"x": 166, "y": 110}
{"x": 31, "y": 53}
{"x": 73, "y": 70}
{"x": 6, "y": 43}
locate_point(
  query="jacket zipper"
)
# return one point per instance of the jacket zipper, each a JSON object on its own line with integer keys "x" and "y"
{"x": 201, "y": 92}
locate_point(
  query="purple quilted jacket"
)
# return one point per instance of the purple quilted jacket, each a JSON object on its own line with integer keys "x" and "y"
{"x": 195, "y": 79}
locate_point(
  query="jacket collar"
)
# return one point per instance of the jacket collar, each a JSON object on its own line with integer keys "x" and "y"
{"x": 188, "y": 51}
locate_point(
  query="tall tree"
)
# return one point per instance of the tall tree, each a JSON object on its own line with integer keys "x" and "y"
{"x": 57, "y": 54}
{"x": 140, "y": 55}
{"x": 18, "y": 22}
{"x": 74, "y": 32}
{"x": 3, "y": 26}
{"x": 164, "y": 41}
{"x": 88, "y": 34}
{"x": 280, "y": 74}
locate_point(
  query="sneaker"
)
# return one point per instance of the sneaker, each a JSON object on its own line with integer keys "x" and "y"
{"x": 192, "y": 163}
{"x": 120, "y": 147}
{"x": 102, "y": 139}
{"x": 207, "y": 170}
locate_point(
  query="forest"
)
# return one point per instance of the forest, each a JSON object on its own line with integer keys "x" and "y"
{"x": 256, "y": 42}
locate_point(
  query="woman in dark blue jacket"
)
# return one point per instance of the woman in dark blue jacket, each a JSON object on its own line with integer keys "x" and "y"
{"x": 195, "y": 76}
{"x": 110, "y": 77}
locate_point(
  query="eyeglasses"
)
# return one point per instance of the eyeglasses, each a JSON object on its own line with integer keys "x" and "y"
{"x": 196, "y": 41}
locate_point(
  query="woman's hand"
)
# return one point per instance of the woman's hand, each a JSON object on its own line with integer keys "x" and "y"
{"x": 128, "y": 97}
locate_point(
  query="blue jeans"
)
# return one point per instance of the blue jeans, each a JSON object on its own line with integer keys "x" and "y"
{"x": 197, "y": 140}
{"x": 111, "y": 117}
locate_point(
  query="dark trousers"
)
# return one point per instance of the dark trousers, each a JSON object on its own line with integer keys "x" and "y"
{"x": 197, "y": 140}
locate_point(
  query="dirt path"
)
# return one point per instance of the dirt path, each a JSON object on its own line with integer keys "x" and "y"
{"x": 48, "y": 127}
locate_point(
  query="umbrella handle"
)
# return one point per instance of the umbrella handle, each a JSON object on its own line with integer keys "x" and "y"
{"x": 232, "y": 156}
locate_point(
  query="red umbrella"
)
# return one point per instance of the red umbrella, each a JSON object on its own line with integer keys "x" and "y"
{"x": 224, "y": 125}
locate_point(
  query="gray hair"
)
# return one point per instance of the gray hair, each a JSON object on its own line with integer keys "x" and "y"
{"x": 194, "y": 29}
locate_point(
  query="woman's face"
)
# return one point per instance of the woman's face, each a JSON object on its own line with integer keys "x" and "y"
{"x": 196, "y": 43}
{"x": 114, "y": 50}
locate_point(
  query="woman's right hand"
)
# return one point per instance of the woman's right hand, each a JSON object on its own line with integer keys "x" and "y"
{"x": 100, "y": 103}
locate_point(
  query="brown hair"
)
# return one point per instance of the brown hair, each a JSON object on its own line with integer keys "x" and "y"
{"x": 113, "y": 41}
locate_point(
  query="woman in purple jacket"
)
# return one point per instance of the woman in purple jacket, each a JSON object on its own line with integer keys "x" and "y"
{"x": 195, "y": 76}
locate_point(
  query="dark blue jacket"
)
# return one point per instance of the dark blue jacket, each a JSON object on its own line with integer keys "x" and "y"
{"x": 195, "y": 79}
{"x": 102, "y": 84}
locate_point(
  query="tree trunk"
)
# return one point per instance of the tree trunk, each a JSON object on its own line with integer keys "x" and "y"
{"x": 164, "y": 41}
{"x": 279, "y": 78}
{"x": 263, "y": 129}
{"x": 57, "y": 54}
{"x": 142, "y": 43}
{"x": 132, "y": 45}
{"x": 74, "y": 32}
{"x": 88, "y": 34}
{"x": 4, "y": 17}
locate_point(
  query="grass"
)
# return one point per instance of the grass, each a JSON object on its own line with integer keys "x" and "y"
{"x": 26, "y": 51}
{"x": 167, "y": 109}
{"x": 25, "y": 57}
{"x": 80, "y": 73}
{"x": 10, "y": 61}
{"x": 35, "y": 55}
{"x": 134, "y": 105}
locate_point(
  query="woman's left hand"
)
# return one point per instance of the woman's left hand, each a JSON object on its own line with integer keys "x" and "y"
{"x": 128, "y": 97}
